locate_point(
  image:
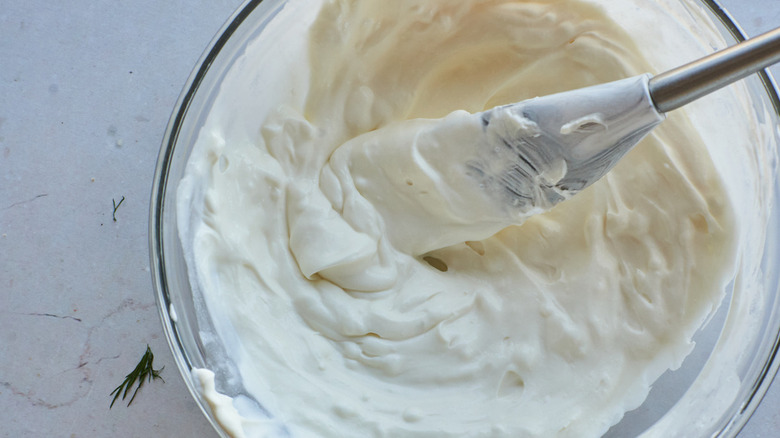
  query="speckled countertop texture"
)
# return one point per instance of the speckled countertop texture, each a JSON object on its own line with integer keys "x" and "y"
{"x": 86, "y": 89}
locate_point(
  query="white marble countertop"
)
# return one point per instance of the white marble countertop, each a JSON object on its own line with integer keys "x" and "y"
{"x": 86, "y": 89}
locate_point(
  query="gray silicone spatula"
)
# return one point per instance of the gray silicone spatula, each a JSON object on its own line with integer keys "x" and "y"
{"x": 582, "y": 134}
{"x": 466, "y": 176}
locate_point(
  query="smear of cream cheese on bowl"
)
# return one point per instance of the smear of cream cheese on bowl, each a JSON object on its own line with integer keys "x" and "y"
{"x": 556, "y": 327}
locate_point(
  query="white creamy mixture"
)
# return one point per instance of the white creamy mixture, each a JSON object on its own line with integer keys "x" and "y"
{"x": 553, "y": 328}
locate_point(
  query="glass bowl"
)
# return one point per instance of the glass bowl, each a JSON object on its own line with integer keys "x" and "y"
{"x": 721, "y": 382}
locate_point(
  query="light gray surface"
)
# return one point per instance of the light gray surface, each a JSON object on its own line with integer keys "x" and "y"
{"x": 86, "y": 89}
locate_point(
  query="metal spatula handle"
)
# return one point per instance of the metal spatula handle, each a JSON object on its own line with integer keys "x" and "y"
{"x": 682, "y": 85}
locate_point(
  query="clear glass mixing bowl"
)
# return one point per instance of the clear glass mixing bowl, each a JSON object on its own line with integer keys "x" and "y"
{"x": 719, "y": 385}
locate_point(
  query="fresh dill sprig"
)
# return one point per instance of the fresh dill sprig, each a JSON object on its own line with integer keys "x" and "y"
{"x": 116, "y": 206}
{"x": 143, "y": 370}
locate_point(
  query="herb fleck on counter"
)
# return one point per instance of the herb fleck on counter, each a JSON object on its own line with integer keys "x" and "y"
{"x": 144, "y": 370}
{"x": 116, "y": 206}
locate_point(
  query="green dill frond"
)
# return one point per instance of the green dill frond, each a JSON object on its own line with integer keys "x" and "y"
{"x": 144, "y": 370}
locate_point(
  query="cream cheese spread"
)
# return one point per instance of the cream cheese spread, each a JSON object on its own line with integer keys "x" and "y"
{"x": 554, "y": 328}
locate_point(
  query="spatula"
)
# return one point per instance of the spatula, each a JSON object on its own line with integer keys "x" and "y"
{"x": 466, "y": 176}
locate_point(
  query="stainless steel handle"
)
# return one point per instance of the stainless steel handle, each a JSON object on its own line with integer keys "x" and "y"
{"x": 682, "y": 85}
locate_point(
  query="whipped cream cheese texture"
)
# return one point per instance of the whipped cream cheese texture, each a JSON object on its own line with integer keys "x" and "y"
{"x": 553, "y": 328}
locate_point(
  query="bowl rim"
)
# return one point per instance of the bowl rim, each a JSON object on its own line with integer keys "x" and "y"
{"x": 159, "y": 192}
{"x": 158, "y": 197}
{"x": 769, "y": 371}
